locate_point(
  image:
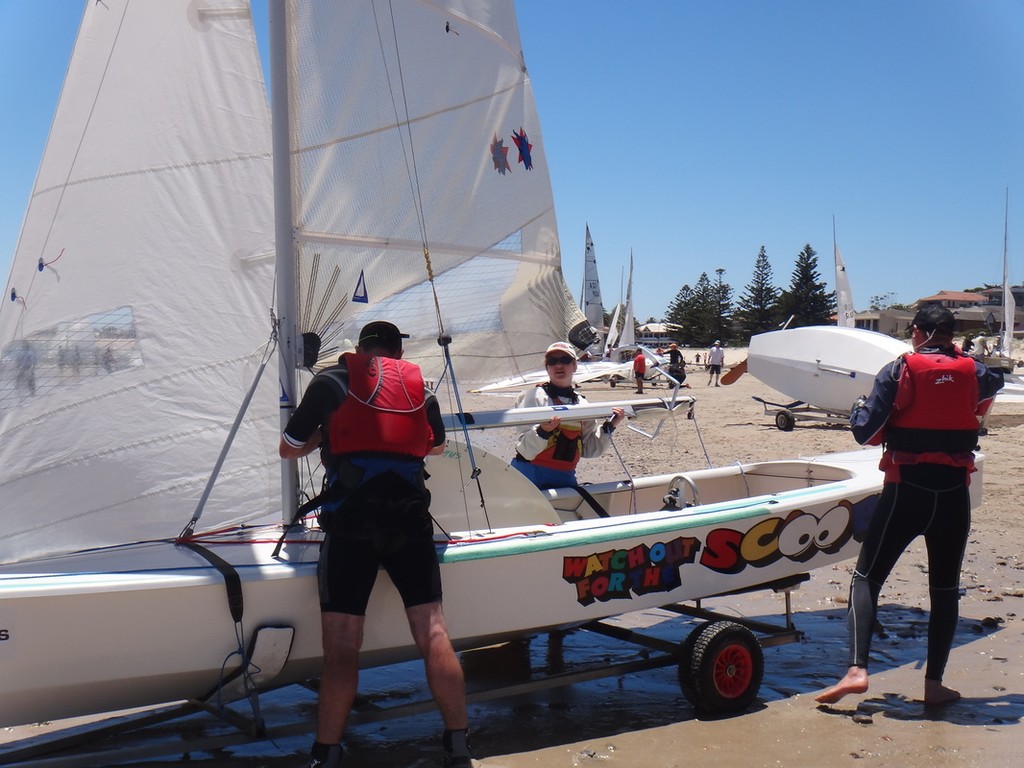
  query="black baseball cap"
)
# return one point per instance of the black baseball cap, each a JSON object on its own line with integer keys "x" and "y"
{"x": 934, "y": 318}
{"x": 381, "y": 333}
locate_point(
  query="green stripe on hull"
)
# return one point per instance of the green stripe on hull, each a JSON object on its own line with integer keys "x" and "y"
{"x": 601, "y": 532}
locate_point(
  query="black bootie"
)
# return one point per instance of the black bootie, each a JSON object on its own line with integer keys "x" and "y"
{"x": 325, "y": 755}
{"x": 456, "y": 749}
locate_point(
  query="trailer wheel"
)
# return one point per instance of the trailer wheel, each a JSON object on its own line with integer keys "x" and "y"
{"x": 686, "y": 683}
{"x": 785, "y": 420}
{"x": 725, "y": 668}
{"x": 612, "y": 381}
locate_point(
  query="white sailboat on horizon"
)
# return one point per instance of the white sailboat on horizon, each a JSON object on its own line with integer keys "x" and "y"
{"x": 590, "y": 299}
{"x": 846, "y": 313}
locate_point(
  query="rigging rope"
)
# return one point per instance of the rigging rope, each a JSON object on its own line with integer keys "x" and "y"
{"x": 268, "y": 352}
{"x": 412, "y": 171}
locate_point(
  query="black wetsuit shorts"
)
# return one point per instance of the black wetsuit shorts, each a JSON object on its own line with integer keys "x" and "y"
{"x": 384, "y": 523}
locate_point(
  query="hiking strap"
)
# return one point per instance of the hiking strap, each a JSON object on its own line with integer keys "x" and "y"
{"x": 232, "y": 582}
{"x": 588, "y": 497}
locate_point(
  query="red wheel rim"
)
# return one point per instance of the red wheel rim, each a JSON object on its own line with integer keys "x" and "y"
{"x": 733, "y": 671}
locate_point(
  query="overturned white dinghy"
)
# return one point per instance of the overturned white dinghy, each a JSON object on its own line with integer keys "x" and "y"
{"x": 824, "y": 366}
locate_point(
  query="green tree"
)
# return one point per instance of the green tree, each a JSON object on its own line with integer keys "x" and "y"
{"x": 703, "y": 312}
{"x": 757, "y": 308}
{"x": 721, "y": 307}
{"x": 806, "y": 298}
{"x": 678, "y": 314}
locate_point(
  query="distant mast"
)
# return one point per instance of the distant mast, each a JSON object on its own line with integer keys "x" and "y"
{"x": 845, "y": 313}
{"x": 628, "y": 336}
{"x": 1009, "y": 306}
{"x": 590, "y": 301}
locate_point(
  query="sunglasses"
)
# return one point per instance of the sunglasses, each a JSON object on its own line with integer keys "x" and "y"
{"x": 559, "y": 360}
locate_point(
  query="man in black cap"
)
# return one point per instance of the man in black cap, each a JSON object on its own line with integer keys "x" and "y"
{"x": 925, "y": 408}
{"x": 374, "y": 421}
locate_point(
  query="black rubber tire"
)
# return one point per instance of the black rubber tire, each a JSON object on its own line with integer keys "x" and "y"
{"x": 686, "y": 683}
{"x": 785, "y": 421}
{"x": 726, "y": 668}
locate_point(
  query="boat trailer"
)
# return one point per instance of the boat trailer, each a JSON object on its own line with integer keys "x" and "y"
{"x": 720, "y": 669}
{"x": 786, "y": 416}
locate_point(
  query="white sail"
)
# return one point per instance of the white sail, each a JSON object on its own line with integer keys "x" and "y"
{"x": 627, "y": 337}
{"x": 593, "y": 307}
{"x": 433, "y": 139}
{"x": 1009, "y": 306}
{"x": 613, "y": 333}
{"x": 845, "y": 313}
{"x": 154, "y": 190}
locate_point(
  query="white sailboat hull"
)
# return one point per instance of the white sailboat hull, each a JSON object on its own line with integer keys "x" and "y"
{"x": 149, "y": 623}
{"x": 824, "y": 366}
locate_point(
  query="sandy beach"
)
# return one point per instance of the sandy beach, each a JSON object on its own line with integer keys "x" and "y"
{"x": 642, "y": 719}
{"x": 888, "y": 725}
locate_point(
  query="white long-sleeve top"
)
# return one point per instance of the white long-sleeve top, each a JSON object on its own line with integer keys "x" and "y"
{"x": 529, "y": 443}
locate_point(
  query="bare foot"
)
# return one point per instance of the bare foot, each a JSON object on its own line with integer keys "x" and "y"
{"x": 855, "y": 681}
{"x": 936, "y": 694}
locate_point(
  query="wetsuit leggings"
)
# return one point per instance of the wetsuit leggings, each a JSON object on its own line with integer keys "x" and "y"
{"x": 932, "y": 501}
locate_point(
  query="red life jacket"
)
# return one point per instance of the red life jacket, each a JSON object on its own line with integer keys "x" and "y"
{"x": 384, "y": 410}
{"x": 564, "y": 448}
{"x": 565, "y": 444}
{"x": 936, "y": 405}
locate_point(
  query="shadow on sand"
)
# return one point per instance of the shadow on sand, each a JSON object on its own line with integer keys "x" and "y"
{"x": 545, "y": 716}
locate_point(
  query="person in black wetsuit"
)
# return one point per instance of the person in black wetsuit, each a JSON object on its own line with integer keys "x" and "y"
{"x": 925, "y": 407}
{"x": 374, "y": 420}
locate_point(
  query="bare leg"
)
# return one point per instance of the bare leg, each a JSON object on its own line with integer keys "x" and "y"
{"x": 936, "y": 694}
{"x": 444, "y": 672}
{"x": 855, "y": 681}
{"x": 342, "y": 638}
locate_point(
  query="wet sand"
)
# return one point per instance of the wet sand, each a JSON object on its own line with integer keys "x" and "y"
{"x": 642, "y": 718}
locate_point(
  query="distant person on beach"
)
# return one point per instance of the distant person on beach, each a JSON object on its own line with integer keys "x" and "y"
{"x": 980, "y": 346}
{"x": 677, "y": 364}
{"x": 639, "y": 370}
{"x": 375, "y": 421}
{"x": 715, "y": 358}
{"x": 925, "y": 408}
{"x": 549, "y": 452}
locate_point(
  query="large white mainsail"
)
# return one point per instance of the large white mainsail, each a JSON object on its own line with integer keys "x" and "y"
{"x": 846, "y": 315}
{"x": 424, "y": 146}
{"x": 590, "y": 301}
{"x": 137, "y": 306}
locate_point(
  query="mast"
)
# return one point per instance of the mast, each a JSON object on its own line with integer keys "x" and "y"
{"x": 287, "y": 303}
{"x": 628, "y": 336}
{"x": 1009, "y": 306}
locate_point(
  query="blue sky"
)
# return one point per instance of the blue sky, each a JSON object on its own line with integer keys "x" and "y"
{"x": 694, "y": 132}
